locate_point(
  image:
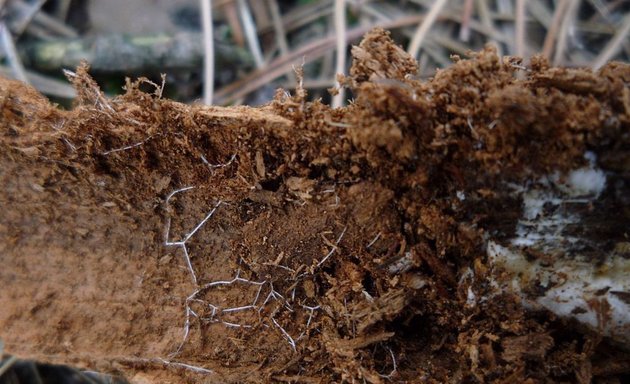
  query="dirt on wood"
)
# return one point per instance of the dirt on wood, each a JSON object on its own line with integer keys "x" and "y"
{"x": 325, "y": 245}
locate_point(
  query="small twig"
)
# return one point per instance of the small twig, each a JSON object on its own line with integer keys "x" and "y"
{"x": 299, "y": 17}
{"x": 12, "y": 56}
{"x": 7, "y": 364}
{"x": 540, "y": 12}
{"x": 564, "y": 30}
{"x": 520, "y": 28}
{"x": 486, "y": 21}
{"x": 340, "y": 31}
{"x": 151, "y": 53}
{"x": 45, "y": 84}
{"x": 231, "y": 16}
{"x": 27, "y": 15}
{"x": 370, "y": 10}
{"x": 613, "y": 45}
{"x": 280, "y": 66}
{"x": 550, "y": 38}
{"x": 279, "y": 27}
{"x": 423, "y": 28}
{"x": 61, "y": 10}
{"x": 337, "y": 124}
{"x": 464, "y": 31}
{"x": 250, "y": 32}
{"x": 21, "y": 14}
{"x": 208, "y": 49}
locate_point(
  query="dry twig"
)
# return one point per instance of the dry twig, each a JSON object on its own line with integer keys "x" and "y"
{"x": 614, "y": 45}
{"x": 250, "y": 32}
{"x": 423, "y": 28}
{"x": 208, "y": 44}
{"x": 552, "y": 32}
{"x": 340, "y": 29}
{"x": 567, "y": 21}
{"x": 13, "y": 58}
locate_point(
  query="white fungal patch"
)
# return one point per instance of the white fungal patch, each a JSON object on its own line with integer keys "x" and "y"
{"x": 547, "y": 208}
{"x": 402, "y": 265}
{"x": 586, "y": 181}
{"x": 564, "y": 279}
{"x": 585, "y": 291}
{"x": 471, "y": 298}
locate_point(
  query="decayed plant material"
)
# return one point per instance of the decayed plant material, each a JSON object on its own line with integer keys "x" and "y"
{"x": 299, "y": 243}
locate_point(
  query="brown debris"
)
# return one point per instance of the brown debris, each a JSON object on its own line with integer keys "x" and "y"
{"x": 528, "y": 347}
{"x": 386, "y": 307}
{"x": 342, "y": 245}
{"x": 373, "y": 57}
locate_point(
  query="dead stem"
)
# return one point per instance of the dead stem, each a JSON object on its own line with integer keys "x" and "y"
{"x": 423, "y": 28}
{"x": 8, "y": 46}
{"x": 208, "y": 49}
{"x": 250, "y": 32}
{"x": 613, "y": 45}
{"x": 520, "y": 28}
{"x": 340, "y": 32}
{"x": 552, "y": 32}
{"x": 567, "y": 22}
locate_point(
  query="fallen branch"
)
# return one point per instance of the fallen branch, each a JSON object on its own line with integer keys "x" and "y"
{"x": 118, "y": 53}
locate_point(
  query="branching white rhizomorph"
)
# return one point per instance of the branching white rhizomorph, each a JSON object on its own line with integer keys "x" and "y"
{"x": 333, "y": 247}
{"x": 216, "y": 312}
{"x": 182, "y": 243}
{"x": 394, "y": 366}
{"x": 127, "y": 147}
{"x": 262, "y": 304}
{"x": 217, "y": 166}
{"x": 311, "y": 314}
{"x": 208, "y": 308}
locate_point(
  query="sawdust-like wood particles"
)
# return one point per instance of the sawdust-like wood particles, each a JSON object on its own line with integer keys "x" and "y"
{"x": 295, "y": 242}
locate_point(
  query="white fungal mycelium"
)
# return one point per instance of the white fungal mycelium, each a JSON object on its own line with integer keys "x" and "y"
{"x": 562, "y": 278}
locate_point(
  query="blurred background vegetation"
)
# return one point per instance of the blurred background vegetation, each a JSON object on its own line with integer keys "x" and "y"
{"x": 249, "y": 47}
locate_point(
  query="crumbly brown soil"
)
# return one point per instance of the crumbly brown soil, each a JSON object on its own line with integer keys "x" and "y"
{"x": 87, "y": 278}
